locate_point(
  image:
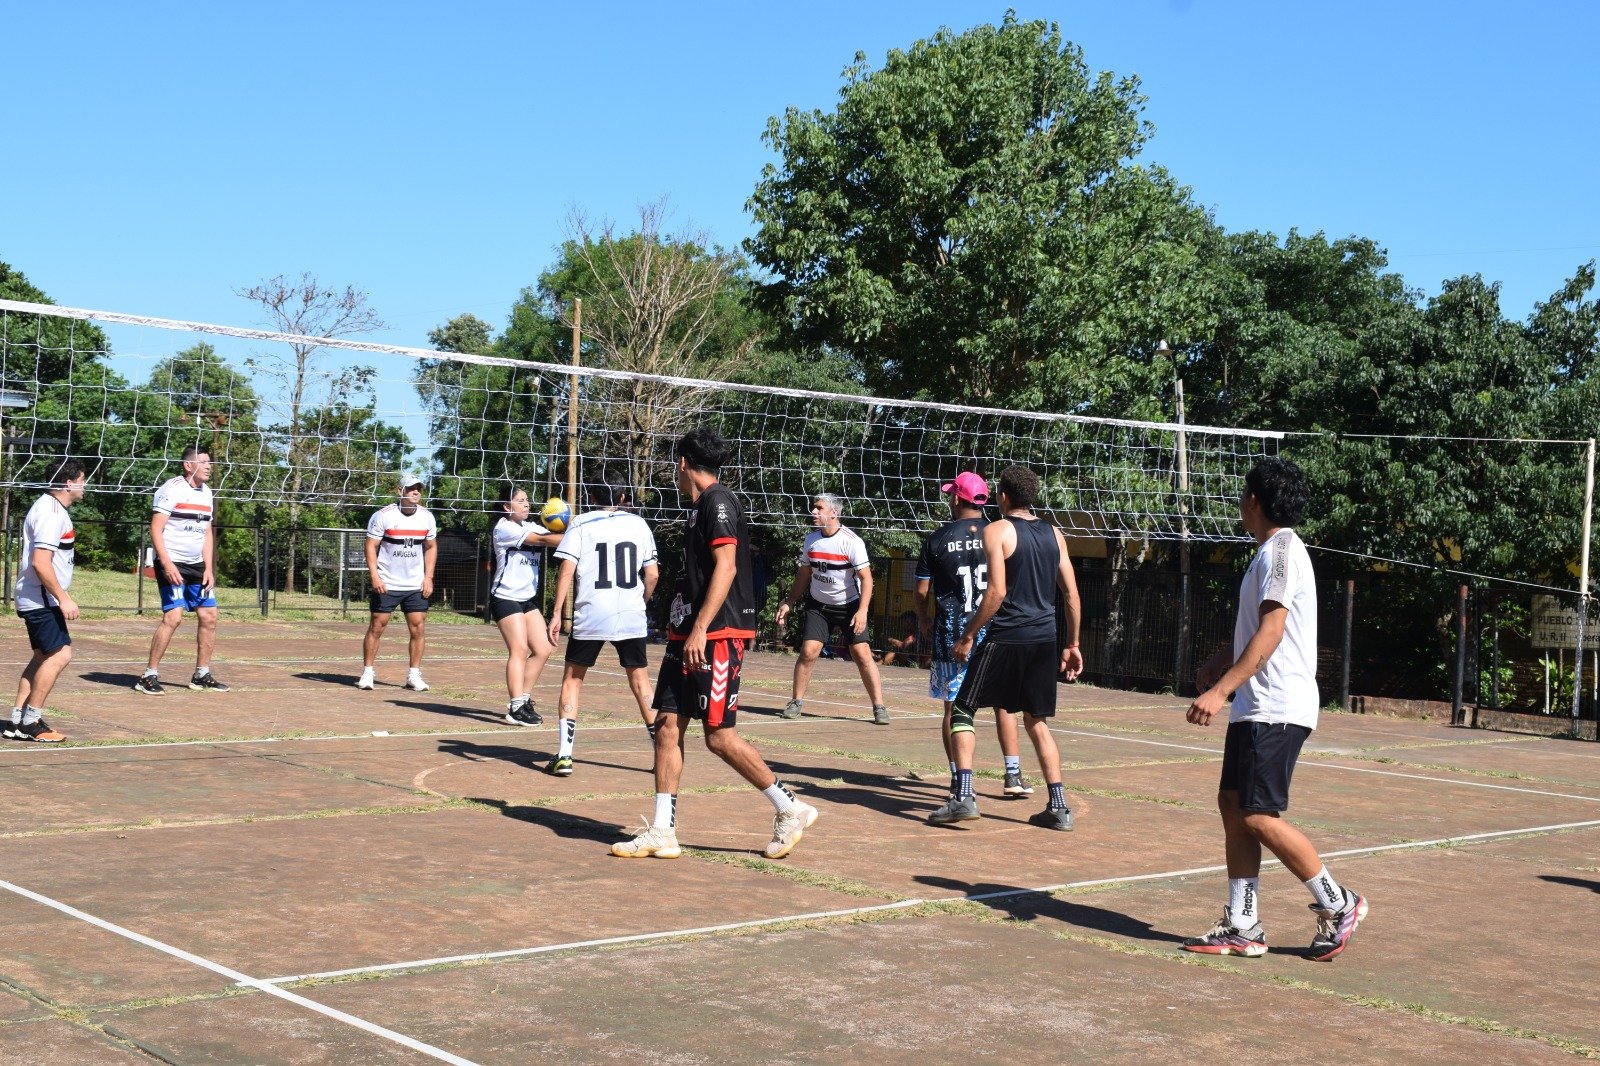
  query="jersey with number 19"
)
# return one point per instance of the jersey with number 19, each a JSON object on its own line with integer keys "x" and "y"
{"x": 610, "y": 550}
{"x": 954, "y": 562}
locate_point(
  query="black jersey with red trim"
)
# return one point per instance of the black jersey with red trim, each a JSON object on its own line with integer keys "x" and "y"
{"x": 717, "y": 518}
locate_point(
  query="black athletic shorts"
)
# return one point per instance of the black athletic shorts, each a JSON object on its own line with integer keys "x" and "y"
{"x": 1257, "y": 762}
{"x": 503, "y": 608}
{"x": 712, "y": 694}
{"x": 413, "y": 602}
{"x": 47, "y": 629}
{"x": 1018, "y": 677}
{"x": 630, "y": 652}
{"x": 819, "y": 620}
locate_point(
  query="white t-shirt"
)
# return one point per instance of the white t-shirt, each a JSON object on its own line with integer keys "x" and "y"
{"x": 401, "y": 538}
{"x": 188, "y": 511}
{"x": 516, "y": 569}
{"x": 834, "y": 563}
{"x": 47, "y": 526}
{"x": 611, "y": 550}
{"x": 1285, "y": 690}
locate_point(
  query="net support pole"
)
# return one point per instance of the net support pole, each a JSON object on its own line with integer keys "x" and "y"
{"x": 1583, "y": 588}
{"x": 1181, "y": 663}
{"x": 572, "y": 436}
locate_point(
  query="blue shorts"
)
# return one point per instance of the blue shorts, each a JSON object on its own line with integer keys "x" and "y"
{"x": 944, "y": 680}
{"x": 47, "y": 629}
{"x": 179, "y": 597}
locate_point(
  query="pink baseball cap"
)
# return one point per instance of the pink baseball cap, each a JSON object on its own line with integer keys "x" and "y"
{"x": 969, "y": 487}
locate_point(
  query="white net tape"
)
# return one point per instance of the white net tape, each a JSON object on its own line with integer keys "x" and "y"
{"x": 478, "y": 422}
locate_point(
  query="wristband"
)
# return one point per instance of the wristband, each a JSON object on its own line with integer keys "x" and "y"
{"x": 1069, "y": 647}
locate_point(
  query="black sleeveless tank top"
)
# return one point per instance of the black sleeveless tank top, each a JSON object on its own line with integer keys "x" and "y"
{"x": 1028, "y": 613}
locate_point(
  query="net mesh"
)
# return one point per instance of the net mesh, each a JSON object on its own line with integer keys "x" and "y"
{"x": 339, "y": 428}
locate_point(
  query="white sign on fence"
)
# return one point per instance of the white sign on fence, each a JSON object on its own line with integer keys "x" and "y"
{"x": 1555, "y": 624}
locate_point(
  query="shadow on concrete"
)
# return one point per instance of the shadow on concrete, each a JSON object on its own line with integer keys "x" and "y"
{"x": 450, "y": 711}
{"x": 1026, "y": 905}
{"x": 1575, "y": 882}
{"x": 562, "y": 823}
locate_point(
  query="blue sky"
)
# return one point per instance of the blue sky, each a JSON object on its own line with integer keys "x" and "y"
{"x": 159, "y": 156}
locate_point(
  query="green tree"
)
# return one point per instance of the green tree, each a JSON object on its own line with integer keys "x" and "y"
{"x": 969, "y": 222}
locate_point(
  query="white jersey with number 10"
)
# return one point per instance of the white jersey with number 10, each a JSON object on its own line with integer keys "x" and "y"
{"x": 610, "y": 550}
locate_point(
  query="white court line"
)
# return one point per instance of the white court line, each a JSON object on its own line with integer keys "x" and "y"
{"x": 1351, "y": 769}
{"x": 899, "y": 905}
{"x": 242, "y": 980}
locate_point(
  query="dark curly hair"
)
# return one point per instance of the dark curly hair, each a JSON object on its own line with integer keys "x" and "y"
{"x": 1280, "y": 488}
{"x": 1021, "y": 486}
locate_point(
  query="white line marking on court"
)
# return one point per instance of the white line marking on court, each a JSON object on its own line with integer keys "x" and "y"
{"x": 243, "y": 980}
{"x": 1352, "y": 769}
{"x": 980, "y": 897}
{"x": 605, "y": 942}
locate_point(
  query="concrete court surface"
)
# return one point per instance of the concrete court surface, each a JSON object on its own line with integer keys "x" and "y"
{"x": 300, "y": 872}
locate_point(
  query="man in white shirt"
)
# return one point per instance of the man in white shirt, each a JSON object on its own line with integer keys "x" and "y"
{"x": 402, "y": 547}
{"x": 1271, "y": 673}
{"x": 183, "y": 534}
{"x": 43, "y": 603}
{"x": 834, "y": 578}
{"x": 609, "y": 554}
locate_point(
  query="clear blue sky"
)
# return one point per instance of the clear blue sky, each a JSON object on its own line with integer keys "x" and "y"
{"x": 158, "y": 156}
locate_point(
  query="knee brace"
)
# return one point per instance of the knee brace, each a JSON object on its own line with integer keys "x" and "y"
{"x": 961, "y": 719}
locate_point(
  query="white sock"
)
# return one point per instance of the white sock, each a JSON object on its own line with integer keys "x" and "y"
{"x": 16, "y": 716}
{"x": 414, "y": 671}
{"x": 201, "y": 671}
{"x": 569, "y": 732}
{"x": 31, "y": 714}
{"x": 781, "y": 800}
{"x": 666, "y": 811}
{"x": 953, "y": 769}
{"x": 150, "y": 671}
{"x": 527, "y": 696}
{"x": 1326, "y": 891}
{"x": 1243, "y": 906}
{"x": 1013, "y": 764}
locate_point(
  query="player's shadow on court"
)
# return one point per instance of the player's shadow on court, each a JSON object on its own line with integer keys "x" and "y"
{"x": 887, "y": 793}
{"x": 100, "y": 677}
{"x": 1027, "y": 905}
{"x": 531, "y": 757}
{"x": 447, "y": 709}
{"x": 1575, "y": 882}
{"x": 561, "y": 823}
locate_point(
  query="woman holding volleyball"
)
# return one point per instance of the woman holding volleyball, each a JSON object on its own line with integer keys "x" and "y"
{"x": 514, "y": 600}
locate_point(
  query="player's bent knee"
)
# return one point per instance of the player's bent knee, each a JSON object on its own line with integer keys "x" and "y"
{"x": 961, "y": 718}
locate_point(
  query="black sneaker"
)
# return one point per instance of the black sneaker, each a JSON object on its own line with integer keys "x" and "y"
{"x": 39, "y": 731}
{"x": 1335, "y": 928}
{"x": 207, "y": 682}
{"x": 1016, "y": 786}
{"x": 523, "y": 712}
{"x": 149, "y": 684}
{"x": 1052, "y": 818}
{"x": 9, "y": 729}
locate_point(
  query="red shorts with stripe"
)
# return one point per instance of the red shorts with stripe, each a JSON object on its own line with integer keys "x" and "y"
{"x": 710, "y": 694}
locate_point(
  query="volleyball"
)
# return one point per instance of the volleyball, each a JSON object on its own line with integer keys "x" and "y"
{"x": 555, "y": 514}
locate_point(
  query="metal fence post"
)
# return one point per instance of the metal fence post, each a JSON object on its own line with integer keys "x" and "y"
{"x": 263, "y": 583}
{"x": 1457, "y": 708}
{"x": 1344, "y": 653}
{"x": 138, "y": 568}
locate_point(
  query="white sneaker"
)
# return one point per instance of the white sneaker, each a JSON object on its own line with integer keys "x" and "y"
{"x": 789, "y": 827}
{"x": 414, "y": 681}
{"x": 366, "y": 680}
{"x": 651, "y": 841}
